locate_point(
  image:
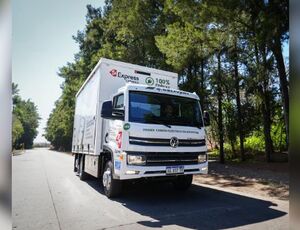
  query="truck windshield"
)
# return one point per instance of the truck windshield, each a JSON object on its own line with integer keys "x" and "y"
{"x": 155, "y": 108}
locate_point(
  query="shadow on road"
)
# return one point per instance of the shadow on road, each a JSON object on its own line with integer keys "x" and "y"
{"x": 197, "y": 208}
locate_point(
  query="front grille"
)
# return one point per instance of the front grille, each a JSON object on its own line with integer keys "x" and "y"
{"x": 167, "y": 158}
{"x": 165, "y": 142}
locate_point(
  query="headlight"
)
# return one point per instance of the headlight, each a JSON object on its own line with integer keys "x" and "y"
{"x": 202, "y": 158}
{"x": 136, "y": 159}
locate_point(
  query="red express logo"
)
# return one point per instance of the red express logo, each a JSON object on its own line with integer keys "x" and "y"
{"x": 126, "y": 77}
{"x": 113, "y": 72}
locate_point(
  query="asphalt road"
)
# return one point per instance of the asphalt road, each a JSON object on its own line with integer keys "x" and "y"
{"x": 47, "y": 195}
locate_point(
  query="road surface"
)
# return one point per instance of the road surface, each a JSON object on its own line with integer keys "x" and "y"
{"x": 48, "y": 195}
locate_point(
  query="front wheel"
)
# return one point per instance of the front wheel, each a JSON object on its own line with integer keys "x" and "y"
{"x": 112, "y": 187}
{"x": 183, "y": 182}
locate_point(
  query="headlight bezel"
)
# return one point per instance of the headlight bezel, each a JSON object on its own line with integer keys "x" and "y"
{"x": 202, "y": 158}
{"x": 136, "y": 159}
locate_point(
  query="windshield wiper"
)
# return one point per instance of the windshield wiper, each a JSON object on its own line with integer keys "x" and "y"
{"x": 193, "y": 124}
{"x": 199, "y": 125}
{"x": 154, "y": 119}
{"x": 161, "y": 123}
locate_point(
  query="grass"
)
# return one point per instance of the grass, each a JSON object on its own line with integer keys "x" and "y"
{"x": 251, "y": 156}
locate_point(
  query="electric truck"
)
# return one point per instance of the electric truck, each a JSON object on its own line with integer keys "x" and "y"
{"x": 133, "y": 122}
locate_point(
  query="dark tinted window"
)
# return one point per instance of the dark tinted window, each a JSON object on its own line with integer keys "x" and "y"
{"x": 166, "y": 109}
{"x": 119, "y": 101}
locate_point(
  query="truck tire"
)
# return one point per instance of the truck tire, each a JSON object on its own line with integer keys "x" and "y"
{"x": 183, "y": 182}
{"x": 75, "y": 163}
{"x": 111, "y": 186}
{"x": 82, "y": 174}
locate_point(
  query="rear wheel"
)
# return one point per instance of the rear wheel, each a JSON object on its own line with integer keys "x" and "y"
{"x": 183, "y": 182}
{"x": 76, "y": 164}
{"x": 112, "y": 187}
{"x": 74, "y": 167}
{"x": 82, "y": 174}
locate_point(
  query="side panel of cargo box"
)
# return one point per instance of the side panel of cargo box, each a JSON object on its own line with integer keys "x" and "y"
{"x": 85, "y": 118}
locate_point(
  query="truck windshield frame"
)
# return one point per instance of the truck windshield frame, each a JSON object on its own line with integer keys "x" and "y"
{"x": 156, "y": 108}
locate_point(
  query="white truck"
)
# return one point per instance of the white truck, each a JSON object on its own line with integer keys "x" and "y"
{"x": 132, "y": 122}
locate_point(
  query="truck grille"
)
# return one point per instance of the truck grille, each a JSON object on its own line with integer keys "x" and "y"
{"x": 167, "y": 158}
{"x": 165, "y": 142}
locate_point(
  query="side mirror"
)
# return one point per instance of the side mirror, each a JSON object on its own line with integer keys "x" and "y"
{"x": 206, "y": 119}
{"x": 106, "y": 110}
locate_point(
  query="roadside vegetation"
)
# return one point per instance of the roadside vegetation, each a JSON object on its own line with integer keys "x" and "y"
{"x": 228, "y": 52}
{"x": 25, "y": 121}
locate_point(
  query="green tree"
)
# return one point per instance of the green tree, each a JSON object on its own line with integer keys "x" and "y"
{"x": 126, "y": 28}
{"x": 25, "y": 120}
{"x": 17, "y": 131}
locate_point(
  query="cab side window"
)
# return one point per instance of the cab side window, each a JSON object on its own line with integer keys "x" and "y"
{"x": 118, "y": 101}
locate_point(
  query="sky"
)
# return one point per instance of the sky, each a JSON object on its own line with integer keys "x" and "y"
{"x": 42, "y": 42}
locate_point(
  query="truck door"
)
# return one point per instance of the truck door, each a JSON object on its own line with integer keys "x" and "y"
{"x": 112, "y": 127}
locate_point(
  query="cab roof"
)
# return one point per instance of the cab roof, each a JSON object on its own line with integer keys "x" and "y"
{"x": 162, "y": 90}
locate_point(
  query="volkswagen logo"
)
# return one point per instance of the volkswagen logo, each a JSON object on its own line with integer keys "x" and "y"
{"x": 174, "y": 142}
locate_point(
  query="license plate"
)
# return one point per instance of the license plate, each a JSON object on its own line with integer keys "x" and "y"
{"x": 174, "y": 169}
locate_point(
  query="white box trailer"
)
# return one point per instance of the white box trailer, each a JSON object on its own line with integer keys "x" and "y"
{"x": 121, "y": 130}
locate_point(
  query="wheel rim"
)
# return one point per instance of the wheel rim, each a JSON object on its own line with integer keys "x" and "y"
{"x": 107, "y": 179}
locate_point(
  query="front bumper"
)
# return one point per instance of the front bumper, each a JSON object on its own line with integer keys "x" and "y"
{"x": 127, "y": 171}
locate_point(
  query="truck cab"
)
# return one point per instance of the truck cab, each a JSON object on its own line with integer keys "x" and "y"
{"x": 154, "y": 132}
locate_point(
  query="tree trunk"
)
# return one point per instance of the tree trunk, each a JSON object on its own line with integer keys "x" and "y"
{"x": 267, "y": 126}
{"x": 266, "y": 110}
{"x": 229, "y": 119}
{"x": 238, "y": 104}
{"x": 220, "y": 115}
{"x": 233, "y": 149}
{"x": 265, "y": 107}
{"x": 202, "y": 86}
{"x": 283, "y": 83}
{"x": 189, "y": 74}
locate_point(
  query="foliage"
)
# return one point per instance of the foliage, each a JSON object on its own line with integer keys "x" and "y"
{"x": 255, "y": 142}
{"x": 25, "y": 121}
{"x": 17, "y": 130}
{"x": 278, "y": 135}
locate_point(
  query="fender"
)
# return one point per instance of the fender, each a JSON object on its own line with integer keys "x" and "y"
{"x": 108, "y": 150}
